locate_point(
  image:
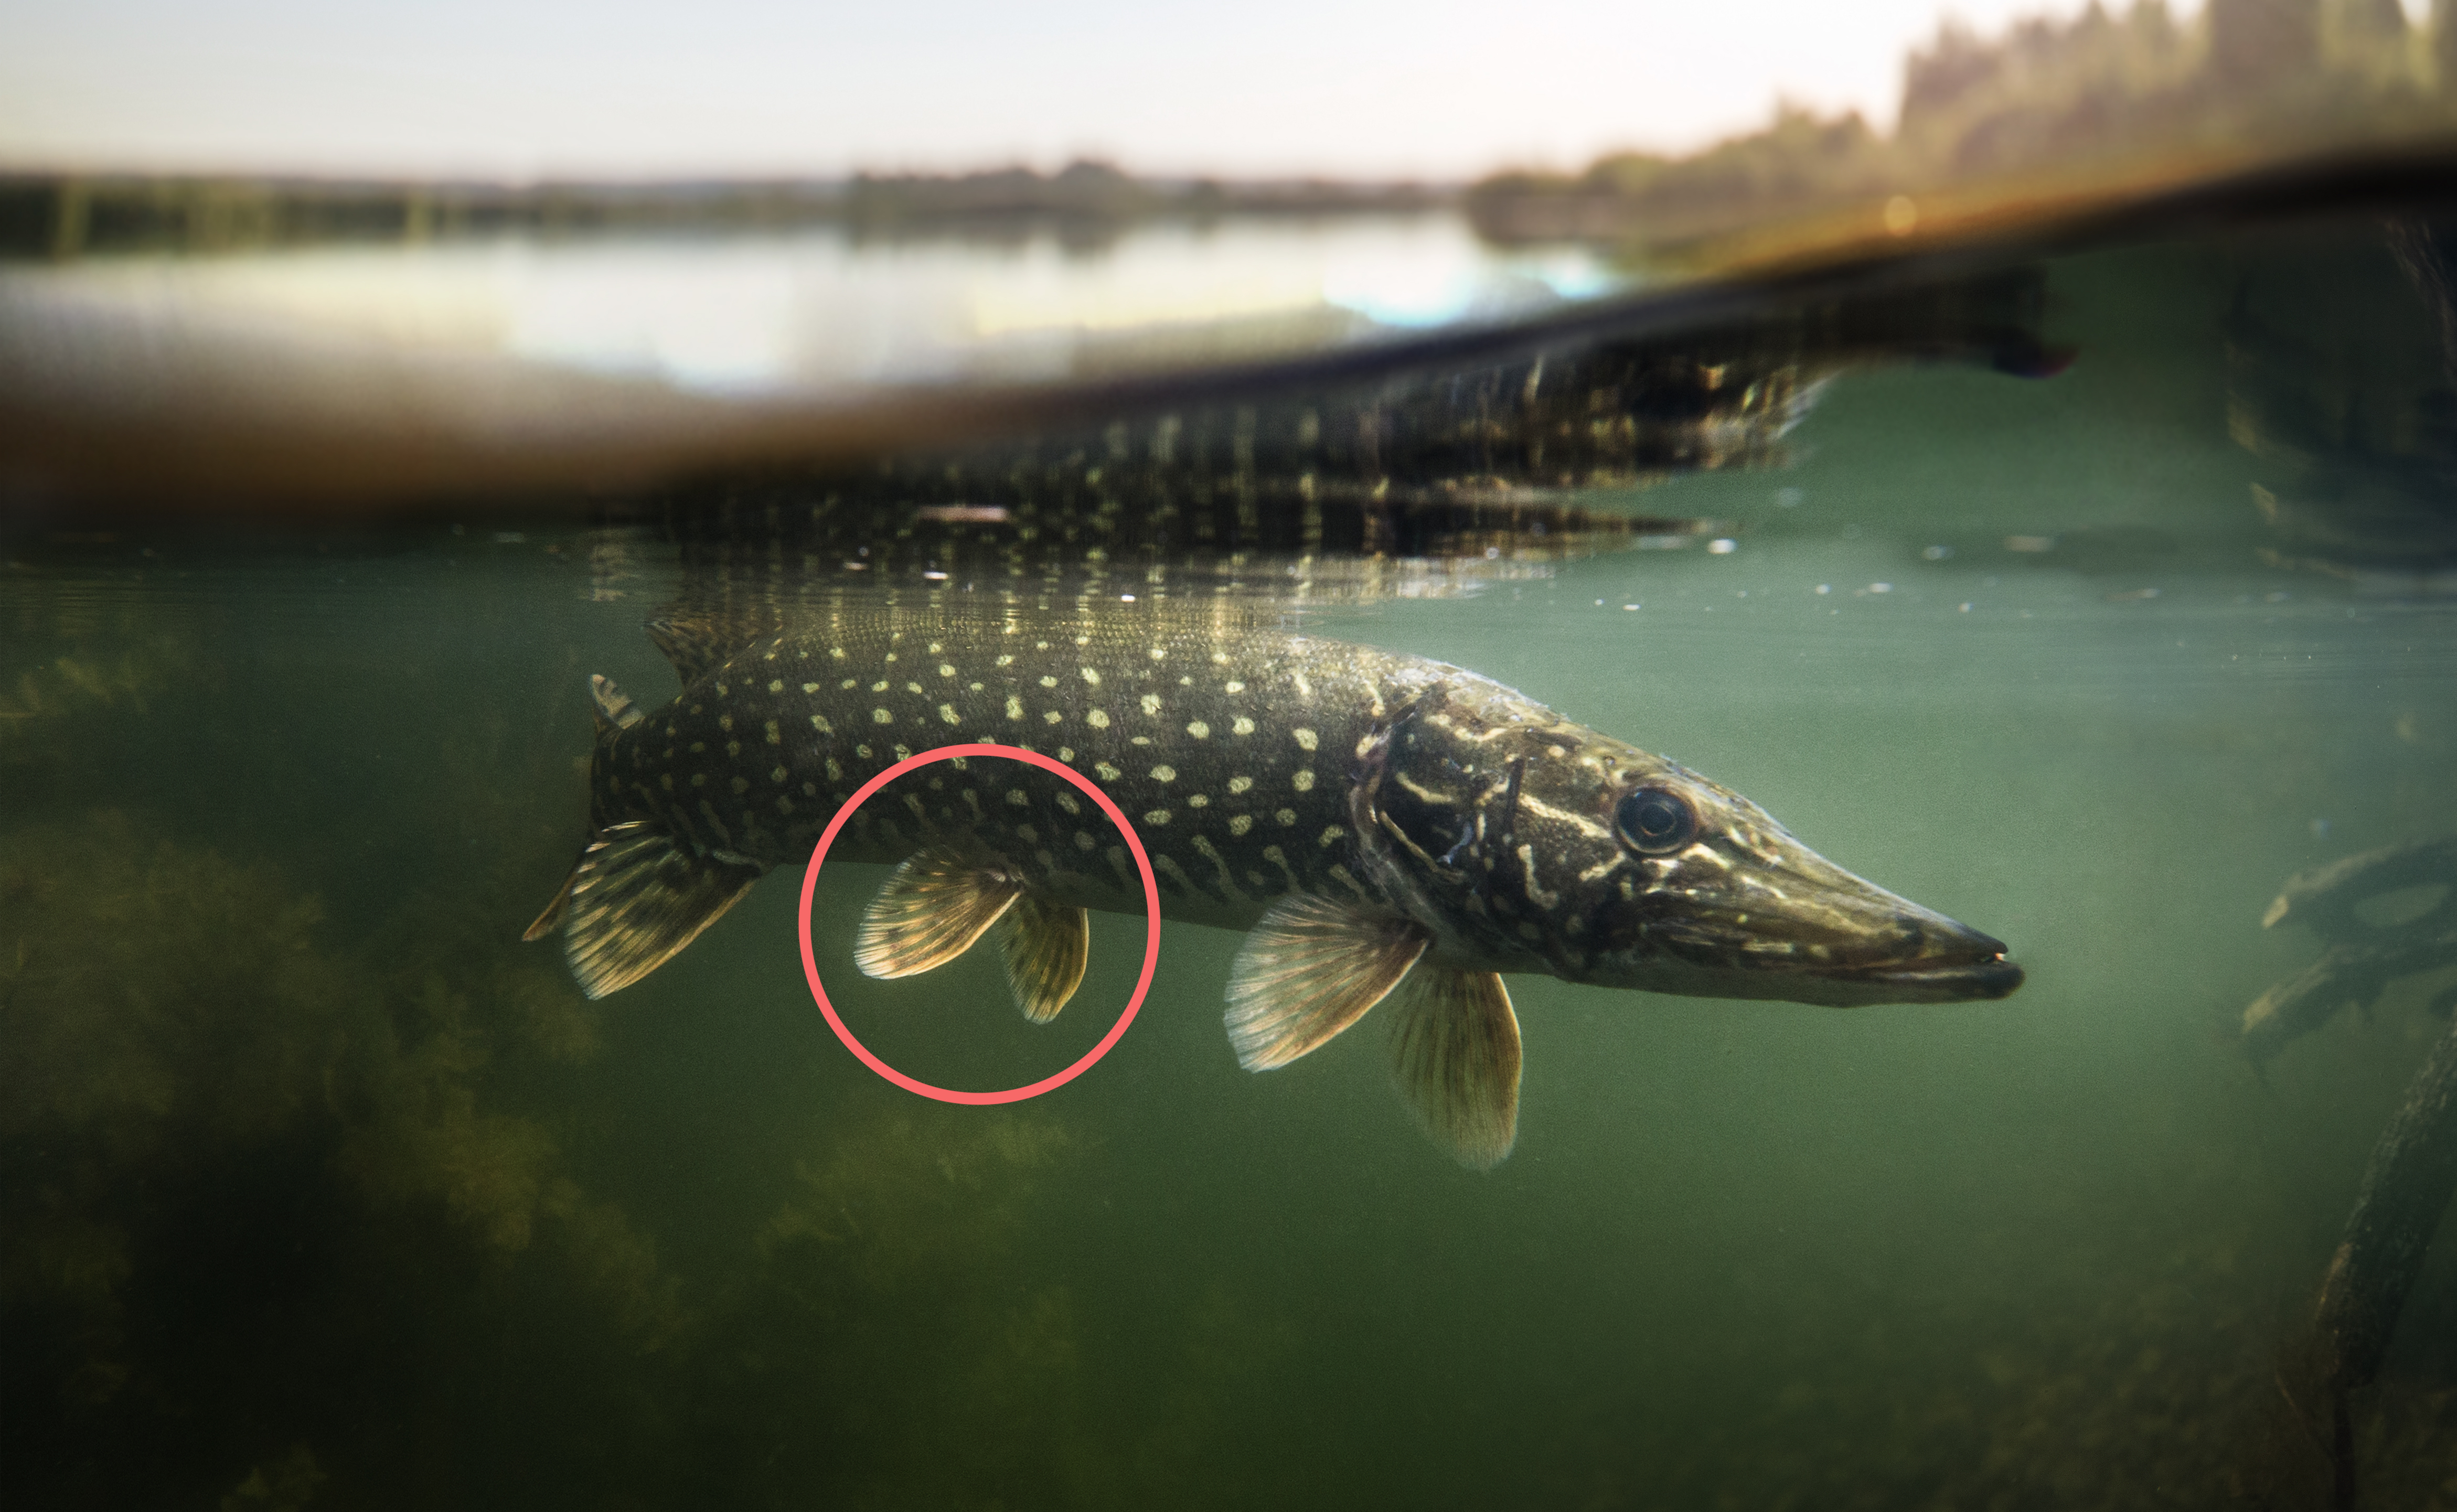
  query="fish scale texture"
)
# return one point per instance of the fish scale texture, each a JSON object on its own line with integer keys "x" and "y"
{"x": 1231, "y": 750}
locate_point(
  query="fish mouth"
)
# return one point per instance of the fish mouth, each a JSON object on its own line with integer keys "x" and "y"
{"x": 1856, "y": 945}
{"x": 1905, "y": 953}
{"x": 1975, "y": 972}
{"x": 1925, "y": 958}
{"x": 1851, "y": 943}
{"x": 1774, "y": 919}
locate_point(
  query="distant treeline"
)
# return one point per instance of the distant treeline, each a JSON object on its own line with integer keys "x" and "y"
{"x": 2074, "y": 99}
{"x": 2088, "y": 95}
{"x": 70, "y": 216}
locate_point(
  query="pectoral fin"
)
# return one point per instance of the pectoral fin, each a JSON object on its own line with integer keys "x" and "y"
{"x": 931, "y": 912}
{"x": 1309, "y": 970}
{"x": 1454, "y": 1050}
{"x": 1048, "y": 945}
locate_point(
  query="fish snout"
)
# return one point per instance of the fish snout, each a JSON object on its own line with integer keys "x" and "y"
{"x": 1854, "y": 942}
{"x": 1932, "y": 958}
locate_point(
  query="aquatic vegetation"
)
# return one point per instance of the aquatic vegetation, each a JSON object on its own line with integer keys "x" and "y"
{"x": 67, "y": 668}
{"x": 888, "y": 1301}
{"x": 65, "y": 685}
{"x": 613, "y": 1264}
{"x": 120, "y": 948}
{"x": 216, "y": 1118}
{"x": 287, "y": 1485}
{"x": 559, "y": 1023}
{"x": 911, "y": 1200}
{"x": 427, "y": 1137}
{"x": 914, "y": 1311}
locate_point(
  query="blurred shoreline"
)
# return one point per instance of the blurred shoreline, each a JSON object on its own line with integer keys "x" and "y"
{"x": 60, "y": 217}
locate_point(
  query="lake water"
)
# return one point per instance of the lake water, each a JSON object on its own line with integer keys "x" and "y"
{"x": 321, "y": 1189}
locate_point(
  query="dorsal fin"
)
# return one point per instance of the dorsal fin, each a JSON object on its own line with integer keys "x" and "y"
{"x": 613, "y": 705}
{"x": 696, "y": 643}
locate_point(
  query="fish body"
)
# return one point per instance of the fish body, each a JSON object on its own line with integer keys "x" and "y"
{"x": 1382, "y": 825}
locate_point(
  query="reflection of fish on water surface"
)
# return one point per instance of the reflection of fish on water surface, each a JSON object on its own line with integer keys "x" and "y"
{"x": 1436, "y": 468}
{"x": 1382, "y": 825}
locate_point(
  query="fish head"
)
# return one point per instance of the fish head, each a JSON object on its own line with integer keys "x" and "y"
{"x": 1534, "y": 843}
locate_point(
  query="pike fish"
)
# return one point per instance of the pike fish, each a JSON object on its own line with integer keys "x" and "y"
{"x": 1385, "y": 829}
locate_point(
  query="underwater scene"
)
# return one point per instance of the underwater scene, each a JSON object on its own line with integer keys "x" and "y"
{"x": 1839, "y": 898}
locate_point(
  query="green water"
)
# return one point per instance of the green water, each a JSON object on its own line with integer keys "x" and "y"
{"x": 322, "y": 1190}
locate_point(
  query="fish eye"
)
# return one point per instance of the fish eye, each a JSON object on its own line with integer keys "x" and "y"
{"x": 1656, "y": 821}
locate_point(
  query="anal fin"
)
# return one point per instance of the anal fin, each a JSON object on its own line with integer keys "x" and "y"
{"x": 1309, "y": 970}
{"x": 931, "y": 912}
{"x": 1048, "y": 946}
{"x": 1455, "y": 1052}
{"x": 634, "y": 899}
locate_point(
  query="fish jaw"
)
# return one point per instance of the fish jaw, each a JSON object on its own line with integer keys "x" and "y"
{"x": 1838, "y": 947}
{"x": 1749, "y": 911}
{"x": 1762, "y": 915}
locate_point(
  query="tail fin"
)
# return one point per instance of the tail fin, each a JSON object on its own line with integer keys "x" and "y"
{"x": 634, "y": 899}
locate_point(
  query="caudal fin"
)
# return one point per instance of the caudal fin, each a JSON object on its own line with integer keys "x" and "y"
{"x": 633, "y": 900}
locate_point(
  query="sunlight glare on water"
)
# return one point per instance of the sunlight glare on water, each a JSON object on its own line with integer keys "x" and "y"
{"x": 827, "y": 312}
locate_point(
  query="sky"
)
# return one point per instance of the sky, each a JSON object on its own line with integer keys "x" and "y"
{"x": 521, "y": 89}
